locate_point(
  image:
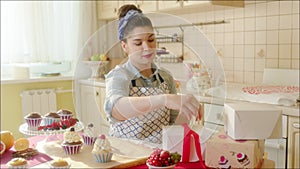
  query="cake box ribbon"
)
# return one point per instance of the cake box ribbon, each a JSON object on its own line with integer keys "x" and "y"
{"x": 182, "y": 139}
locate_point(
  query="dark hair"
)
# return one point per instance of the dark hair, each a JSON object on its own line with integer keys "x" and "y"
{"x": 125, "y": 8}
{"x": 138, "y": 20}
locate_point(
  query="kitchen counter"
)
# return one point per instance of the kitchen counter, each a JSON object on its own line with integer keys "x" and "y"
{"x": 38, "y": 78}
{"x": 286, "y": 110}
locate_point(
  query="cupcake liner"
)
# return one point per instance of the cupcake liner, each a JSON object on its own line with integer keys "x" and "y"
{"x": 89, "y": 140}
{"x": 49, "y": 121}
{"x": 103, "y": 158}
{"x": 25, "y": 166}
{"x": 33, "y": 123}
{"x": 66, "y": 116}
{"x": 62, "y": 167}
{"x": 72, "y": 149}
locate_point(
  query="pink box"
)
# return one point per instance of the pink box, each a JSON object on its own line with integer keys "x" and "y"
{"x": 224, "y": 152}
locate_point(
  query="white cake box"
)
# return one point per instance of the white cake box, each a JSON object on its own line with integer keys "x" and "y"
{"x": 246, "y": 120}
{"x": 173, "y": 140}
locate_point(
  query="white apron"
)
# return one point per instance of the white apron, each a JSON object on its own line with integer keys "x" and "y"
{"x": 147, "y": 127}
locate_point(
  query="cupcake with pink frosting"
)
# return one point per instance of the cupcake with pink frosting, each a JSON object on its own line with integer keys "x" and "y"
{"x": 102, "y": 150}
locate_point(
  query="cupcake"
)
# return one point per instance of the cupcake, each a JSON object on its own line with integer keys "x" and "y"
{"x": 224, "y": 163}
{"x": 51, "y": 117}
{"x": 72, "y": 142}
{"x": 33, "y": 120}
{"x": 243, "y": 159}
{"x": 17, "y": 163}
{"x": 102, "y": 150}
{"x": 59, "y": 164}
{"x": 89, "y": 135}
{"x": 65, "y": 114}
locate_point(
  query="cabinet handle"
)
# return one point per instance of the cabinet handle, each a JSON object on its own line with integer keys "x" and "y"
{"x": 296, "y": 125}
{"x": 97, "y": 93}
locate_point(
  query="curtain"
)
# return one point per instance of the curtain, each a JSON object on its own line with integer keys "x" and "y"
{"x": 45, "y": 31}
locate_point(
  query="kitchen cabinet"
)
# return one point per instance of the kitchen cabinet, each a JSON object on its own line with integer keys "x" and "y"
{"x": 187, "y": 4}
{"x": 293, "y": 142}
{"x": 144, "y": 5}
{"x": 107, "y": 9}
{"x": 92, "y": 110}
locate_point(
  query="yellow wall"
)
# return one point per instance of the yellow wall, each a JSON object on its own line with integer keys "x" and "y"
{"x": 11, "y": 105}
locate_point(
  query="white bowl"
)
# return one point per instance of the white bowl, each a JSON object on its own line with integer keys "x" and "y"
{"x": 157, "y": 167}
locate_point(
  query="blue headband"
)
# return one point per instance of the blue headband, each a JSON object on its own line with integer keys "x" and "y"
{"x": 123, "y": 22}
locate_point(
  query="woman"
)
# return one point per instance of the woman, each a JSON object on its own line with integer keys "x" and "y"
{"x": 140, "y": 98}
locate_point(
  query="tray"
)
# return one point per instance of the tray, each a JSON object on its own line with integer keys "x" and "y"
{"x": 24, "y": 129}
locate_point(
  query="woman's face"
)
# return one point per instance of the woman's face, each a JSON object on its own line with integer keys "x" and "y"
{"x": 141, "y": 46}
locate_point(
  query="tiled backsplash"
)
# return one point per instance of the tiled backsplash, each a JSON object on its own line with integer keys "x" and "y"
{"x": 260, "y": 35}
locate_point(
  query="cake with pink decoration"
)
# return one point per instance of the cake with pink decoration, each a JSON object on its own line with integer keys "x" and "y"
{"x": 243, "y": 159}
{"x": 224, "y": 163}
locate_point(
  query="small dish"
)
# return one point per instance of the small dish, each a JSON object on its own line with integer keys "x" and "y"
{"x": 158, "y": 167}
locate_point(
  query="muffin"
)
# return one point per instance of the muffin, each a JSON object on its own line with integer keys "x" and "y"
{"x": 65, "y": 114}
{"x": 59, "y": 164}
{"x": 89, "y": 135}
{"x": 33, "y": 120}
{"x": 102, "y": 150}
{"x": 51, "y": 117}
{"x": 17, "y": 163}
{"x": 72, "y": 142}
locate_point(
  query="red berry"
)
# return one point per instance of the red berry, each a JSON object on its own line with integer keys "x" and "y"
{"x": 164, "y": 154}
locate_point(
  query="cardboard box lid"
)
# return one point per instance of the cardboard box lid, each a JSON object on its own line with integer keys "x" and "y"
{"x": 245, "y": 120}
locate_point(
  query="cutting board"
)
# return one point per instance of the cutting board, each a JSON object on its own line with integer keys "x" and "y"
{"x": 126, "y": 154}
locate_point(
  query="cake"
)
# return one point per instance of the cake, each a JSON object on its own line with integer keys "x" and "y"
{"x": 102, "y": 150}
{"x": 65, "y": 114}
{"x": 72, "y": 142}
{"x": 51, "y": 117}
{"x": 89, "y": 135}
{"x": 243, "y": 159}
{"x": 17, "y": 163}
{"x": 224, "y": 163}
{"x": 59, "y": 163}
{"x": 33, "y": 120}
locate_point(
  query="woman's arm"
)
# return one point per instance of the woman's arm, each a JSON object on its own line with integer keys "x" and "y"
{"x": 128, "y": 107}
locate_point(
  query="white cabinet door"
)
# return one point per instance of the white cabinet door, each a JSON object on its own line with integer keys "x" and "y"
{"x": 169, "y": 5}
{"x": 293, "y": 142}
{"x": 147, "y": 6}
{"x": 90, "y": 108}
{"x": 107, "y": 9}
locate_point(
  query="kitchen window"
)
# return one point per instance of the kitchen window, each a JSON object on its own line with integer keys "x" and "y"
{"x": 45, "y": 31}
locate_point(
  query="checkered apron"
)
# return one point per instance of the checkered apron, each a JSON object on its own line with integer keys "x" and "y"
{"x": 147, "y": 127}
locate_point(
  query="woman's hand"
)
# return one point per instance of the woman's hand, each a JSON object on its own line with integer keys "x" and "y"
{"x": 186, "y": 104}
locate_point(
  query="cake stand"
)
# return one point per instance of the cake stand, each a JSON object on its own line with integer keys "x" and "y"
{"x": 52, "y": 135}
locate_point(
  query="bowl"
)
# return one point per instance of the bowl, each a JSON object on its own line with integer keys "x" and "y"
{"x": 158, "y": 167}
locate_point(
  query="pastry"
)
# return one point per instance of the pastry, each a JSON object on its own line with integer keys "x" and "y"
{"x": 33, "y": 120}
{"x": 51, "y": 117}
{"x": 224, "y": 163}
{"x": 17, "y": 163}
{"x": 102, "y": 150}
{"x": 243, "y": 159}
{"x": 59, "y": 163}
{"x": 65, "y": 114}
{"x": 89, "y": 135}
{"x": 72, "y": 142}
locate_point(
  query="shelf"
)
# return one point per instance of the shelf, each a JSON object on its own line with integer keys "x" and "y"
{"x": 169, "y": 39}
